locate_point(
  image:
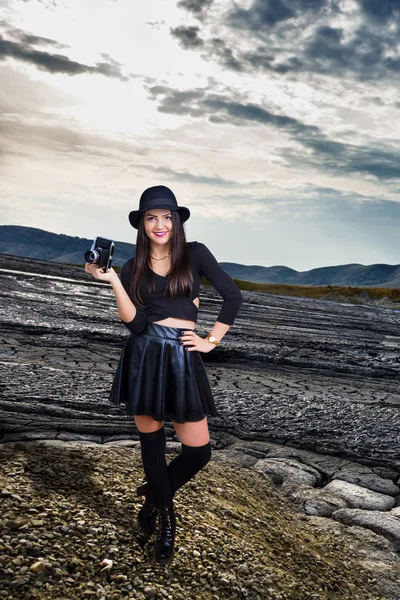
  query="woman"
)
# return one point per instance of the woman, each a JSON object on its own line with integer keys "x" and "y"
{"x": 161, "y": 373}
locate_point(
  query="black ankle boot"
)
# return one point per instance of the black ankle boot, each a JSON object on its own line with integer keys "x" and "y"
{"x": 166, "y": 526}
{"x": 147, "y": 515}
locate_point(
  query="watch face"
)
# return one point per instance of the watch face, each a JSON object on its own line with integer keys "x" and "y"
{"x": 212, "y": 339}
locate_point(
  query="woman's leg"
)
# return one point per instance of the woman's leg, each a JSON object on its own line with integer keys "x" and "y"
{"x": 146, "y": 424}
{"x": 195, "y": 454}
{"x": 152, "y": 443}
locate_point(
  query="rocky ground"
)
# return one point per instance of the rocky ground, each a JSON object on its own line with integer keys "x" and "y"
{"x": 308, "y": 398}
{"x": 69, "y": 531}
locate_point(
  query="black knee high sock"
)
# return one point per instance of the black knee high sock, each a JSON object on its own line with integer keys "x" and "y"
{"x": 189, "y": 462}
{"x": 155, "y": 466}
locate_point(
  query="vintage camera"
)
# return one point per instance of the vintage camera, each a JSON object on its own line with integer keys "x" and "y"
{"x": 101, "y": 253}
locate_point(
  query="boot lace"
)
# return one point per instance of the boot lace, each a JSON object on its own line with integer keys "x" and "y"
{"x": 166, "y": 523}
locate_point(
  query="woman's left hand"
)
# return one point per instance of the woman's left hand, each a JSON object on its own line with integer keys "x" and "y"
{"x": 191, "y": 341}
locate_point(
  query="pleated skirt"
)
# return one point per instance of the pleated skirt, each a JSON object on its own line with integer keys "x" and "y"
{"x": 156, "y": 376}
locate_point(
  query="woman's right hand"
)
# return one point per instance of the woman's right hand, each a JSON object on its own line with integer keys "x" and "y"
{"x": 98, "y": 272}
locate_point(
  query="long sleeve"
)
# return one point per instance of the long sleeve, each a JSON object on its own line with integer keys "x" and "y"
{"x": 138, "y": 323}
{"x": 232, "y": 297}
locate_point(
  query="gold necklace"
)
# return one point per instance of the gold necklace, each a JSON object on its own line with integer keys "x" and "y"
{"x": 160, "y": 258}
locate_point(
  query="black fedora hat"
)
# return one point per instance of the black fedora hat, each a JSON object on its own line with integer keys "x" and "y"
{"x": 158, "y": 196}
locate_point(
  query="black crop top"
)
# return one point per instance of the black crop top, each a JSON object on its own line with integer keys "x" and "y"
{"x": 159, "y": 306}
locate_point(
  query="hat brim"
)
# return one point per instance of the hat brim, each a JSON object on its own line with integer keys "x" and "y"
{"x": 134, "y": 215}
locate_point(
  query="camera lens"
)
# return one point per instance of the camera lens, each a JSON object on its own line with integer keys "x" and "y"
{"x": 91, "y": 256}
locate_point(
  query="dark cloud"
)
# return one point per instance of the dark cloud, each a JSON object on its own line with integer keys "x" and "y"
{"x": 27, "y": 38}
{"x": 224, "y": 54}
{"x": 260, "y": 14}
{"x": 188, "y": 37}
{"x": 36, "y": 40}
{"x": 365, "y": 54}
{"x": 267, "y": 13}
{"x": 380, "y": 10}
{"x": 327, "y": 45}
{"x": 155, "y": 24}
{"x": 295, "y": 36}
{"x": 187, "y": 177}
{"x": 262, "y": 59}
{"x": 238, "y": 113}
{"x": 222, "y": 109}
{"x": 321, "y": 152}
{"x": 340, "y": 158}
{"x": 196, "y": 7}
{"x": 23, "y": 50}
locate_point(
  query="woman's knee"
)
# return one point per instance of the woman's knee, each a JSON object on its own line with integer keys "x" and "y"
{"x": 193, "y": 433}
{"x": 147, "y": 424}
{"x": 197, "y": 456}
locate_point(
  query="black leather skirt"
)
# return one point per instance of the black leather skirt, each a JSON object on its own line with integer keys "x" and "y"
{"x": 156, "y": 376}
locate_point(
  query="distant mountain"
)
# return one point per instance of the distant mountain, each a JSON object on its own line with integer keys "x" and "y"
{"x": 38, "y": 243}
{"x": 260, "y": 274}
{"x": 57, "y": 247}
{"x": 379, "y": 275}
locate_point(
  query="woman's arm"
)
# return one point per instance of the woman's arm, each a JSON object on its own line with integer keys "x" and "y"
{"x": 126, "y": 309}
{"x": 224, "y": 284}
{"x": 195, "y": 342}
{"x": 133, "y": 317}
{"x": 227, "y": 288}
{"x": 218, "y": 331}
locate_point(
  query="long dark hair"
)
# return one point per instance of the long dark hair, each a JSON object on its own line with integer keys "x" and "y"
{"x": 180, "y": 278}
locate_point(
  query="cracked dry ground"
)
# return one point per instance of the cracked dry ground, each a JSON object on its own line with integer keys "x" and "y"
{"x": 311, "y": 373}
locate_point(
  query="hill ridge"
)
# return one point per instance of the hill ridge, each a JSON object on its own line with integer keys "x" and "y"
{"x": 32, "y": 242}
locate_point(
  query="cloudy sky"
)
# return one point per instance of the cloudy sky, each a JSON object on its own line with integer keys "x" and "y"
{"x": 277, "y": 122}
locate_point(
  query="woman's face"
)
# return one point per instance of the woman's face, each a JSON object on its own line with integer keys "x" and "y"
{"x": 158, "y": 225}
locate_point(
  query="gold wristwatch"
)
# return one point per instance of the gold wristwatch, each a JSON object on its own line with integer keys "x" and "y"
{"x": 212, "y": 339}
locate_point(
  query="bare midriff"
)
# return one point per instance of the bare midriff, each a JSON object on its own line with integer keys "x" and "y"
{"x": 180, "y": 323}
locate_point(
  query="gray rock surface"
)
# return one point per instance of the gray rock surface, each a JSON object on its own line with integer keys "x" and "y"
{"x": 280, "y": 470}
{"x": 323, "y": 505}
{"x": 375, "y": 551}
{"x": 370, "y": 481}
{"x": 360, "y": 497}
{"x": 382, "y": 523}
{"x": 311, "y": 501}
